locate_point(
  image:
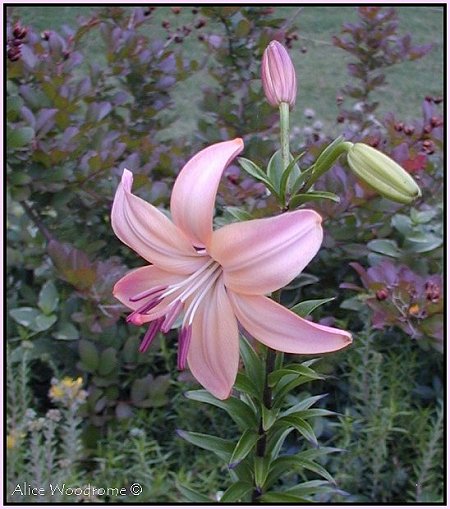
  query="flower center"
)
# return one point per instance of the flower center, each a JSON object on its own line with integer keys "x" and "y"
{"x": 188, "y": 294}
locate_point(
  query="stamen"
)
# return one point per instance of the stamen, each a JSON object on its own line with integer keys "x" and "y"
{"x": 189, "y": 291}
{"x": 192, "y": 277}
{"x": 189, "y": 316}
{"x": 174, "y": 310}
{"x": 144, "y": 309}
{"x": 147, "y": 293}
{"x": 150, "y": 334}
{"x": 184, "y": 341}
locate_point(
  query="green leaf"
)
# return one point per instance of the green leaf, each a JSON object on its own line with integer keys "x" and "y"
{"x": 312, "y": 488}
{"x": 243, "y": 447}
{"x": 302, "y": 426}
{"x": 281, "y": 496}
{"x": 66, "y": 331}
{"x": 25, "y": 316}
{"x": 306, "y": 307}
{"x": 269, "y": 417}
{"x": 236, "y": 492}
{"x": 239, "y": 213}
{"x": 44, "y": 322}
{"x": 108, "y": 361}
{"x": 328, "y": 154}
{"x": 239, "y": 411}
{"x": 297, "y": 462}
{"x": 19, "y": 137}
{"x": 299, "y": 199}
{"x": 276, "y": 440}
{"x": 295, "y": 370}
{"x": 262, "y": 466}
{"x": 223, "y": 448}
{"x": 275, "y": 170}
{"x": 191, "y": 495}
{"x": 32, "y": 319}
{"x": 254, "y": 368}
{"x": 48, "y": 298}
{"x": 88, "y": 355}
{"x": 245, "y": 385}
{"x": 287, "y": 173}
{"x": 385, "y": 246}
{"x": 303, "y": 405}
{"x": 255, "y": 171}
{"x": 301, "y": 179}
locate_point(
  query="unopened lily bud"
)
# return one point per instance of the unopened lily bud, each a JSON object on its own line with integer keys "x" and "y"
{"x": 382, "y": 173}
{"x": 278, "y": 75}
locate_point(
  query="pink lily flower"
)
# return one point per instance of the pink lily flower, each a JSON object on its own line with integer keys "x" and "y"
{"x": 215, "y": 279}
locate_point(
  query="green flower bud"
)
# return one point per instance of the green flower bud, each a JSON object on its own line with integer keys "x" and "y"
{"x": 382, "y": 173}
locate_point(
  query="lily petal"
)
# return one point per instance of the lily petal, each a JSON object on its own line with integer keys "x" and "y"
{"x": 195, "y": 189}
{"x": 281, "y": 329}
{"x": 140, "y": 280}
{"x": 150, "y": 233}
{"x": 262, "y": 255}
{"x": 213, "y": 356}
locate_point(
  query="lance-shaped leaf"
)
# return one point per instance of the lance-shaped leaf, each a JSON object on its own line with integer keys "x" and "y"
{"x": 239, "y": 411}
{"x": 292, "y": 169}
{"x": 244, "y": 385}
{"x": 261, "y": 465}
{"x": 255, "y": 171}
{"x": 302, "y": 426}
{"x": 269, "y": 417}
{"x": 237, "y": 492}
{"x": 253, "y": 366}
{"x": 192, "y": 496}
{"x": 281, "y": 496}
{"x": 277, "y": 438}
{"x": 303, "y": 405}
{"x": 221, "y": 447}
{"x": 299, "y": 199}
{"x": 298, "y": 463}
{"x": 243, "y": 447}
{"x": 306, "y": 307}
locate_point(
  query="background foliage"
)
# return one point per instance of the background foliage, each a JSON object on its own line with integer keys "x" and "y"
{"x": 145, "y": 88}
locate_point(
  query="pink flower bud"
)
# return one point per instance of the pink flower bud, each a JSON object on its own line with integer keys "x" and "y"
{"x": 278, "y": 75}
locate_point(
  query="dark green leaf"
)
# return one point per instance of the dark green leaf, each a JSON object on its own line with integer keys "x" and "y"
{"x": 191, "y": 495}
{"x": 243, "y": 447}
{"x": 237, "y": 492}
{"x": 385, "y": 246}
{"x": 306, "y": 307}
{"x": 254, "y": 368}
{"x": 66, "y": 331}
{"x": 108, "y": 361}
{"x": 19, "y": 137}
{"x": 48, "y": 298}
{"x": 262, "y": 466}
{"x": 239, "y": 411}
{"x": 281, "y": 496}
{"x": 299, "y": 199}
{"x": 88, "y": 355}
{"x": 255, "y": 171}
{"x": 302, "y": 426}
{"x": 269, "y": 417}
{"x": 223, "y": 448}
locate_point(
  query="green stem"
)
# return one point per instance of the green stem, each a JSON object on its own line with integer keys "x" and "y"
{"x": 271, "y": 358}
{"x": 284, "y": 134}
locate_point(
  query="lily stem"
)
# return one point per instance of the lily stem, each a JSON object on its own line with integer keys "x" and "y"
{"x": 267, "y": 402}
{"x": 284, "y": 134}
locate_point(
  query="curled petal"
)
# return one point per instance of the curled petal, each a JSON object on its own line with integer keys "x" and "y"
{"x": 139, "y": 281}
{"x": 150, "y": 233}
{"x": 195, "y": 189}
{"x": 263, "y": 255}
{"x": 213, "y": 356}
{"x": 281, "y": 329}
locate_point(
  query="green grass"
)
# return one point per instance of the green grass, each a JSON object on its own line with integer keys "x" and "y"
{"x": 321, "y": 69}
